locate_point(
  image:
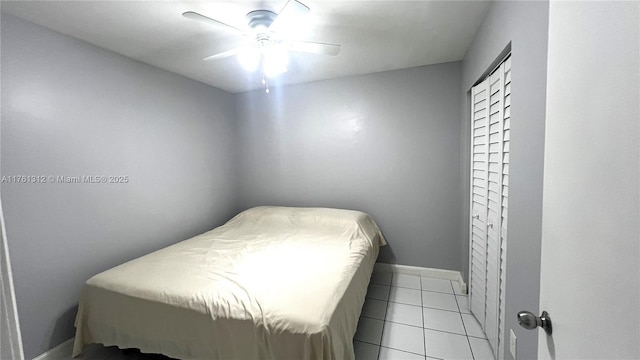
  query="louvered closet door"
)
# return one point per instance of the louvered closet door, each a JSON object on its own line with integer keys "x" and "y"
{"x": 491, "y": 116}
{"x": 478, "y": 228}
{"x": 494, "y": 205}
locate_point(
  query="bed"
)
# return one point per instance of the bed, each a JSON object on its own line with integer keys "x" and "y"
{"x": 271, "y": 283}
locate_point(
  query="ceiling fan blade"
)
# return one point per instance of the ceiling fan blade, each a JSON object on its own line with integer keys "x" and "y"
{"x": 314, "y": 48}
{"x": 207, "y": 20}
{"x": 291, "y": 15}
{"x": 222, "y": 55}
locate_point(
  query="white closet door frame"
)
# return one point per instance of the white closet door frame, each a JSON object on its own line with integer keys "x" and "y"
{"x": 10, "y": 335}
{"x": 506, "y": 138}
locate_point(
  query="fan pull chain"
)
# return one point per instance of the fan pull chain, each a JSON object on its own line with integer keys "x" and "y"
{"x": 265, "y": 82}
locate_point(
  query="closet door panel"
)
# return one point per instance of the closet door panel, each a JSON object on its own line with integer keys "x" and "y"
{"x": 479, "y": 192}
{"x": 494, "y": 200}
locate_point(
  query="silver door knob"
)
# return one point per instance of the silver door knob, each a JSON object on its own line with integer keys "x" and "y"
{"x": 529, "y": 321}
{"x": 490, "y": 225}
{"x": 476, "y": 216}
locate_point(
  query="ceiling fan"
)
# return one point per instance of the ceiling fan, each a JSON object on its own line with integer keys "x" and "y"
{"x": 272, "y": 43}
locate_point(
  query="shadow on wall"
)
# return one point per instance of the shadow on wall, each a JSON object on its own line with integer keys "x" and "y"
{"x": 63, "y": 327}
{"x": 551, "y": 347}
{"x": 386, "y": 254}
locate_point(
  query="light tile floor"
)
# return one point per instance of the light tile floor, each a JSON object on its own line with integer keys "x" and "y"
{"x": 404, "y": 317}
{"x": 412, "y": 317}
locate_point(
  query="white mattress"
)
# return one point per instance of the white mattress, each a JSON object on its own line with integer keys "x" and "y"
{"x": 272, "y": 283}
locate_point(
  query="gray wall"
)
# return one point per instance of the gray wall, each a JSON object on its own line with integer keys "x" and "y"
{"x": 524, "y": 25}
{"x": 591, "y": 216}
{"x": 69, "y": 108}
{"x": 385, "y": 143}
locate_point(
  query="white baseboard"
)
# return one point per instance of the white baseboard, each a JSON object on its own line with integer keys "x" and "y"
{"x": 423, "y": 271}
{"x": 60, "y": 352}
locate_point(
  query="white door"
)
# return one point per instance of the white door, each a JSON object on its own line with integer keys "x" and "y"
{"x": 490, "y": 123}
{"x": 495, "y": 177}
{"x": 10, "y": 336}
{"x": 590, "y": 277}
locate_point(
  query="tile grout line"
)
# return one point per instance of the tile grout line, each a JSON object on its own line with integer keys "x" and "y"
{"x": 372, "y": 318}
{"x": 463, "y": 325}
{"x": 404, "y": 303}
{"x": 395, "y": 302}
{"x": 366, "y": 342}
{"x": 405, "y": 351}
{"x": 440, "y": 292}
{"x": 406, "y": 287}
{"x": 424, "y": 334}
{"x": 457, "y": 303}
{"x": 441, "y": 309}
{"x": 420, "y": 327}
{"x": 470, "y": 348}
{"x": 385, "y": 316}
{"x": 445, "y": 332}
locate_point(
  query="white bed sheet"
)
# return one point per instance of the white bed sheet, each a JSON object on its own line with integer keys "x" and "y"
{"x": 271, "y": 283}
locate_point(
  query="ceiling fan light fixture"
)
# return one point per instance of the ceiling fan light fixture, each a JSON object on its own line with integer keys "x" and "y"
{"x": 272, "y": 33}
{"x": 249, "y": 58}
{"x": 274, "y": 61}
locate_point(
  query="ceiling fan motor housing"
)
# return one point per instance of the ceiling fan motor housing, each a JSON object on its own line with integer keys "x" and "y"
{"x": 261, "y": 20}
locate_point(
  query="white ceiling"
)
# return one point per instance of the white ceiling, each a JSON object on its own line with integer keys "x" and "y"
{"x": 375, "y": 35}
